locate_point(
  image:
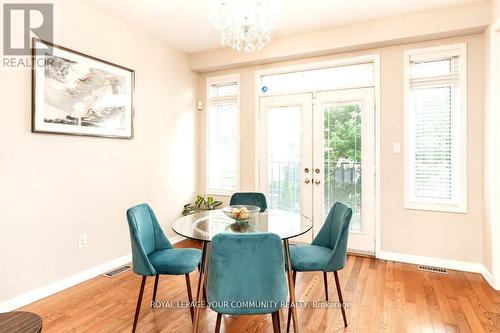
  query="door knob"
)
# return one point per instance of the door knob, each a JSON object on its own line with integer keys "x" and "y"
{"x": 317, "y": 181}
{"x": 316, "y": 170}
{"x": 307, "y": 181}
{"x": 306, "y": 170}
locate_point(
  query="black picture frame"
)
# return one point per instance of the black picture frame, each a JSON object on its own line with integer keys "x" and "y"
{"x": 56, "y": 68}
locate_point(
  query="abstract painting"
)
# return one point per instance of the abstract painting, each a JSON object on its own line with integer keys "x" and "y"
{"x": 74, "y": 93}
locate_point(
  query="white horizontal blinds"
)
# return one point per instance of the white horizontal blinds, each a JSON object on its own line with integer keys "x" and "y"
{"x": 229, "y": 90}
{"x": 434, "y": 86}
{"x": 222, "y": 138}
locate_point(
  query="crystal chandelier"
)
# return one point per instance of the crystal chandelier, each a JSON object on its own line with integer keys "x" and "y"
{"x": 245, "y": 25}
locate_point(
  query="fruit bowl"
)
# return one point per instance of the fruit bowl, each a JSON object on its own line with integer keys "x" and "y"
{"x": 241, "y": 212}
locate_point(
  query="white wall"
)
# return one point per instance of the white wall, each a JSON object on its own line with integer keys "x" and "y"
{"x": 495, "y": 232}
{"x": 489, "y": 157}
{"x": 491, "y": 231}
{"x": 491, "y": 227}
{"x": 55, "y": 187}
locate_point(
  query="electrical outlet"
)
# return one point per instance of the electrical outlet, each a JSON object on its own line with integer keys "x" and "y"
{"x": 82, "y": 241}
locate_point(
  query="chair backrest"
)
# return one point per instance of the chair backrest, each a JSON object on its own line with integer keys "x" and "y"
{"x": 335, "y": 232}
{"x": 146, "y": 236}
{"x": 246, "y": 274}
{"x": 249, "y": 198}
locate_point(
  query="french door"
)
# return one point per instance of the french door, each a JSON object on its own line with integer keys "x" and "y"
{"x": 316, "y": 149}
{"x": 285, "y": 135}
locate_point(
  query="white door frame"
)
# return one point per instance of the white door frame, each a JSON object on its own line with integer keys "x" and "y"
{"x": 375, "y": 59}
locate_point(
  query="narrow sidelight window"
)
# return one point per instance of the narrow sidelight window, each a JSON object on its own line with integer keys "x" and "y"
{"x": 222, "y": 143}
{"x": 435, "y": 128}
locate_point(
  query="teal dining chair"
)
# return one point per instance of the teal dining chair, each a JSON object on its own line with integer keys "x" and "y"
{"x": 328, "y": 251}
{"x": 153, "y": 255}
{"x": 249, "y": 198}
{"x": 246, "y": 276}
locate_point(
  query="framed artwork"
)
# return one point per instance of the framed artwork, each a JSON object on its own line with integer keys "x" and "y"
{"x": 77, "y": 94}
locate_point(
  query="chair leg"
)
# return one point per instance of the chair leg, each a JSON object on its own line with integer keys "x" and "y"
{"x": 217, "y": 324}
{"x": 138, "y": 307}
{"x": 276, "y": 322}
{"x": 340, "y": 297}
{"x": 204, "y": 294}
{"x": 204, "y": 290}
{"x": 325, "y": 279}
{"x": 157, "y": 278}
{"x": 289, "y": 309}
{"x": 190, "y": 296}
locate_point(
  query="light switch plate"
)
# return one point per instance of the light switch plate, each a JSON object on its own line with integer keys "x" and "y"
{"x": 396, "y": 148}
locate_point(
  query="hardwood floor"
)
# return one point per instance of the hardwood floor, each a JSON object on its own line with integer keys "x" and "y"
{"x": 384, "y": 296}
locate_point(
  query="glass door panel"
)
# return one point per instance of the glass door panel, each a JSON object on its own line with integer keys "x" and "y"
{"x": 283, "y": 158}
{"x": 342, "y": 158}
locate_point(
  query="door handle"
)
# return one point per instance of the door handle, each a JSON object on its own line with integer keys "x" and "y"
{"x": 316, "y": 170}
{"x": 306, "y": 170}
{"x": 307, "y": 181}
{"x": 317, "y": 181}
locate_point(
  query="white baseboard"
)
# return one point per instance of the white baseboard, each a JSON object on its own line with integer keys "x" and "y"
{"x": 439, "y": 262}
{"x": 489, "y": 278}
{"x": 55, "y": 287}
{"x": 431, "y": 261}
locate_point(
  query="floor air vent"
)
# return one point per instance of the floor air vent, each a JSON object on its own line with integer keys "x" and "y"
{"x": 433, "y": 269}
{"x": 117, "y": 271}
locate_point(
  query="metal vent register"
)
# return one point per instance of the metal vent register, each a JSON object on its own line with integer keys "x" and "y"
{"x": 117, "y": 271}
{"x": 433, "y": 269}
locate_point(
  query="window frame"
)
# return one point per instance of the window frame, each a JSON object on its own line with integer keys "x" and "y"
{"x": 219, "y": 80}
{"x": 436, "y": 53}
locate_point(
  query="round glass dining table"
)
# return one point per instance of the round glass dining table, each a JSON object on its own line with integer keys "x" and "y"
{"x": 203, "y": 226}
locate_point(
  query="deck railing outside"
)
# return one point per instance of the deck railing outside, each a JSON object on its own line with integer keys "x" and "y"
{"x": 342, "y": 183}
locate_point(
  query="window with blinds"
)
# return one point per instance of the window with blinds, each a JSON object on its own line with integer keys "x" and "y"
{"x": 222, "y": 143}
{"x": 436, "y": 114}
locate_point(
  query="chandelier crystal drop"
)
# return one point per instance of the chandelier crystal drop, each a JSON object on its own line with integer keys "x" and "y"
{"x": 245, "y": 25}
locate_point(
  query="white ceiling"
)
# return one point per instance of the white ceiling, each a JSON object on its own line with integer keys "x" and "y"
{"x": 183, "y": 23}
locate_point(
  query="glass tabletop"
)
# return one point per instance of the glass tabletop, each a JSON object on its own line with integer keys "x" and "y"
{"x": 205, "y": 225}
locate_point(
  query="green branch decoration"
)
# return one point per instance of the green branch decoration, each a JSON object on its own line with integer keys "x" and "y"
{"x": 200, "y": 204}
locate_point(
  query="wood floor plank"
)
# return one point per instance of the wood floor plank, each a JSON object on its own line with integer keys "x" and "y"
{"x": 436, "y": 317}
{"x": 481, "y": 291}
{"x": 470, "y": 315}
{"x": 443, "y": 302}
{"x": 410, "y": 317}
{"x": 384, "y": 296}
